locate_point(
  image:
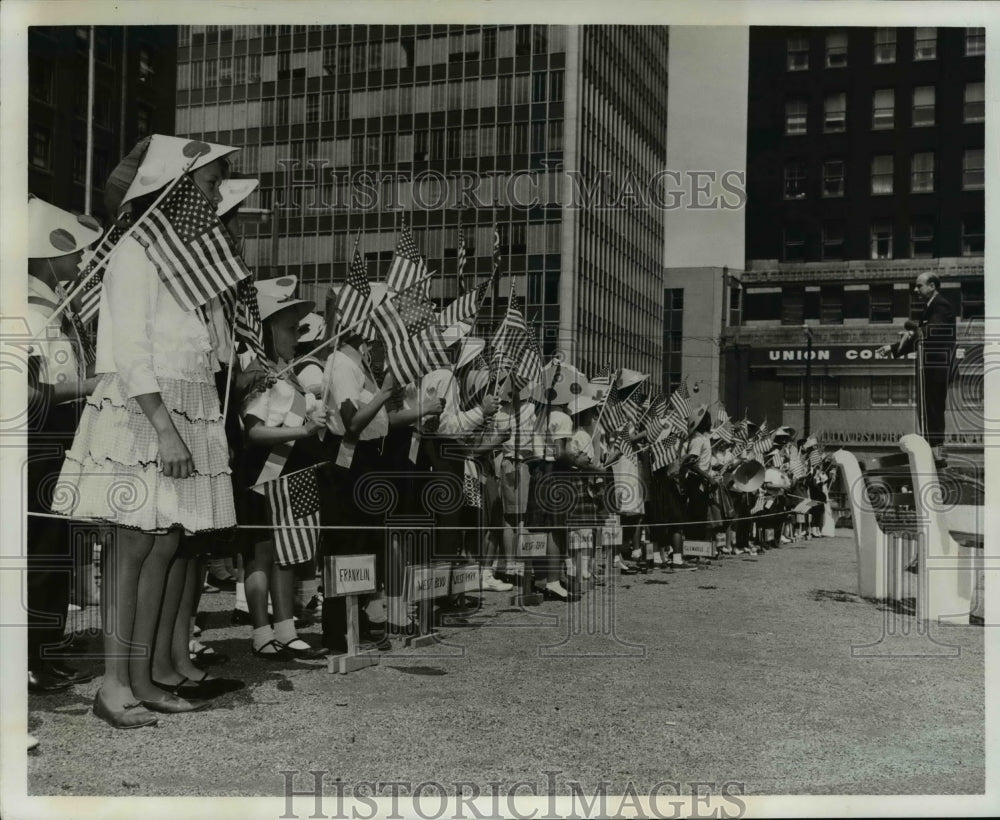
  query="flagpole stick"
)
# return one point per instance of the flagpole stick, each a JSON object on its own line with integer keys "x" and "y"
{"x": 604, "y": 403}
{"x": 229, "y": 370}
{"x": 103, "y": 263}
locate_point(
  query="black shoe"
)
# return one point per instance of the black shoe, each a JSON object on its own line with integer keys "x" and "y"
{"x": 307, "y": 654}
{"x": 43, "y": 682}
{"x": 67, "y": 672}
{"x": 280, "y": 653}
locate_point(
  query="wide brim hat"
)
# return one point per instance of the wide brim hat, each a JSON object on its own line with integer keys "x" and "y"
{"x": 560, "y": 425}
{"x": 696, "y": 416}
{"x": 166, "y": 158}
{"x": 54, "y": 232}
{"x": 279, "y": 289}
{"x": 628, "y": 378}
{"x": 233, "y": 192}
{"x": 581, "y": 404}
{"x": 471, "y": 347}
{"x": 786, "y": 432}
{"x": 560, "y": 383}
{"x": 269, "y": 306}
{"x": 311, "y": 328}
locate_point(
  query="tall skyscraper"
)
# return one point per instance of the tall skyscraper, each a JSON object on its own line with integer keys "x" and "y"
{"x": 353, "y": 129}
{"x": 133, "y": 95}
{"x": 865, "y": 169}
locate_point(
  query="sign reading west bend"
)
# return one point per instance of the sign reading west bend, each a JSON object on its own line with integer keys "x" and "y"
{"x": 426, "y": 583}
{"x": 832, "y": 354}
{"x": 532, "y": 545}
{"x": 348, "y": 575}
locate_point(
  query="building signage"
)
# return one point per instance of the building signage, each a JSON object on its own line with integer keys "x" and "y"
{"x": 827, "y": 354}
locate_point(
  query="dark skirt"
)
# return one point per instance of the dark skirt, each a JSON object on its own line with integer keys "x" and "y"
{"x": 664, "y": 507}
{"x": 551, "y": 494}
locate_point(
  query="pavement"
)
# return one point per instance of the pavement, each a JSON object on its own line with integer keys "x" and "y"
{"x": 767, "y": 671}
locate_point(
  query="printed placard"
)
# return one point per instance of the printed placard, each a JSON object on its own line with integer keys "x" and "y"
{"x": 424, "y": 583}
{"x": 581, "y": 539}
{"x": 532, "y": 544}
{"x": 348, "y": 575}
{"x": 465, "y": 579}
{"x": 699, "y": 549}
{"x": 611, "y": 534}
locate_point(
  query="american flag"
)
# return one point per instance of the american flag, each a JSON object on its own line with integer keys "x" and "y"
{"x": 408, "y": 266}
{"x": 762, "y": 443}
{"x": 247, "y": 329}
{"x": 741, "y": 435}
{"x": 625, "y": 448}
{"x": 723, "y": 427}
{"x": 461, "y": 259}
{"x": 293, "y": 504}
{"x": 354, "y": 303}
{"x": 189, "y": 246}
{"x": 797, "y": 465}
{"x": 603, "y": 376}
{"x": 815, "y": 458}
{"x": 661, "y": 453}
{"x": 515, "y": 348}
{"x": 678, "y": 400}
{"x": 619, "y": 413}
{"x": 413, "y": 340}
{"x": 657, "y": 404}
{"x": 466, "y": 306}
{"x": 90, "y": 296}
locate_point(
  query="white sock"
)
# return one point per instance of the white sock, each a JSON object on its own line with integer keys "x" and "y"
{"x": 284, "y": 631}
{"x": 262, "y": 635}
{"x": 487, "y": 573}
{"x": 241, "y": 597}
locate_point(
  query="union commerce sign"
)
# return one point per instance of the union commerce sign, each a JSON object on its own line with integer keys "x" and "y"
{"x": 827, "y": 354}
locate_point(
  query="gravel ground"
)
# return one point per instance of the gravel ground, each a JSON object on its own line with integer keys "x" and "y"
{"x": 768, "y": 671}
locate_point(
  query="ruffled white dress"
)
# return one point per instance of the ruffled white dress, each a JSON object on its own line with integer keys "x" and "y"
{"x": 146, "y": 344}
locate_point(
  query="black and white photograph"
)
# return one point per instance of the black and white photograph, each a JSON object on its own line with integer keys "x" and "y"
{"x": 483, "y": 409}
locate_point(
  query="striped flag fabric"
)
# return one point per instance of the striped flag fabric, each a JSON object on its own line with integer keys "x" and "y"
{"x": 515, "y": 348}
{"x": 661, "y": 453}
{"x": 724, "y": 427}
{"x": 619, "y": 413}
{"x": 797, "y": 466}
{"x": 461, "y": 260}
{"x": 815, "y": 458}
{"x": 678, "y": 400}
{"x": 466, "y": 306}
{"x": 293, "y": 505}
{"x": 603, "y": 376}
{"x": 413, "y": 340}
{"x": 190, "y": 247}
{"x": 657, "y": 404}
{"x": 90, "y": 296}
{"x": 354, "y": 302}
{"x": 247, "y": 328}
{"x": 408, "y": 266}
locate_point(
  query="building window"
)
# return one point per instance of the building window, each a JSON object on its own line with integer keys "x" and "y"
{"x": 211, "y": 72}
{"x": 880, "y": 303}
{"x": 883, "y": 108}
{"x": 831, "y": 305}
{"x": 973, "y": 235}
{"x": 673, "y": 336}
{"x": 795, "y": 180}
{"x": 974, "y": 105}
{"x": 40, "y": 79}
{"x": 792, "y": 304}
{"x": 975, "y": 42}
{"x": 881, "y": 240}
{"x": 312, "y": 108}
{"x": 922, "y": 173}
{"x": 836, "y": 49}
{"x": 972, "y": 169}
{"x": 833, "y": 178}
{"x": 539, "y": 83}
{"x": 489, "y": 43}
{"x": 973, "y": 300}
{"x": 833, "y": 241}
{"x": 40, "y": 148}
{"x": 925, "y": 43}
{"x": 795, "y": 116}
{"x": 835, "y": 112}
{"x": 79, "y": 163}
{"x": 923, "y": 106}
{"x": 882, "y": 174}
{"x": 885, "y": 45}
{"x": 225, "y": 71}
{"x": 823, "y": 392}
{"x": 794, "y": 244}
{"x": 893, "y": 391}
{"x": 798, "y": 54}
{"x": 555, "y": 86}
{"x": 922, "y": 239}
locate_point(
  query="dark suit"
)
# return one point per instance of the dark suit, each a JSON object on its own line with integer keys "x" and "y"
{"x": 937, "y": 325}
